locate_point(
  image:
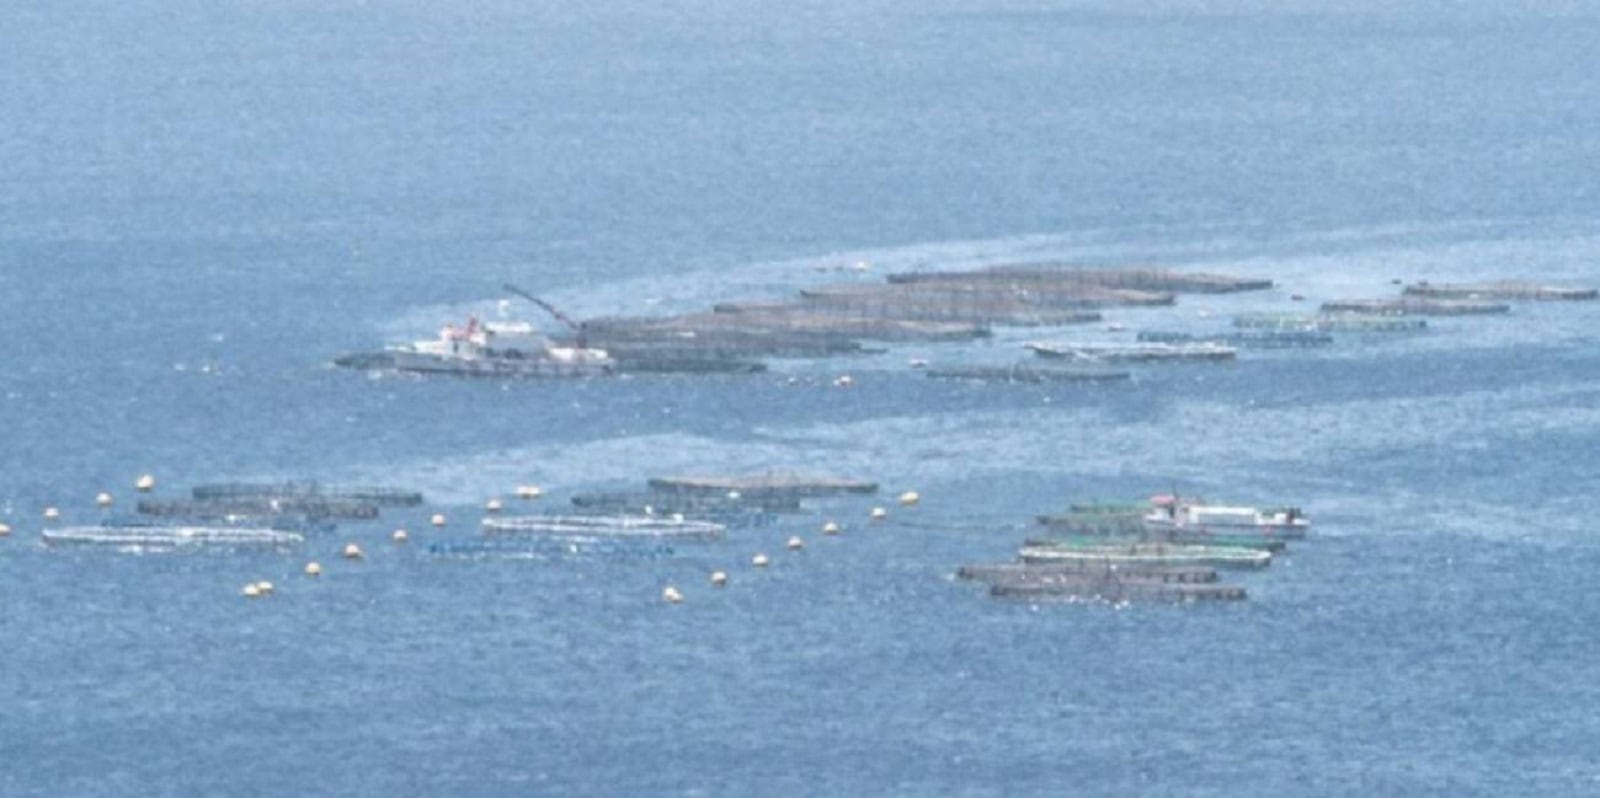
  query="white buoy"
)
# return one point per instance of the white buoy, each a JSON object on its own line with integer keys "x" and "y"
{"x": 844, "y": 381}
{"x": 400, "y": 536}
{"x": 52, "y": 514}
{"x": 878, "y": 513}
{"x": 909, "y": 498}
{"x": 734, "y": 495}
{"x": 145, "y": 484}
{"x": 103, "y": 500}
{"x": 719, "y": 578}
{"x": 5, "y": 530}
{"x": 759, "y": 561}
{"x": 917, "y": 363}
{"x": 353, "y": 552}
{"x": 671, "y": 595}
{"x": 438, "y": 519}
{"x": 251, "y": 591}
{"x": 313, "y": 568}
{"x": 795, "y": 543}
{"x": 493, "y": 506}
{"x": 528, "y": 492}
{"x": 830, "y": 528}
{"x": 264, "y": 587}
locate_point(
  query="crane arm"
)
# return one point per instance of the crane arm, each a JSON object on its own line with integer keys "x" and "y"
{"x": 576, "y": 327}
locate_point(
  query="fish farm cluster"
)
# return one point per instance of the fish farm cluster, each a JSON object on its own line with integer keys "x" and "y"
{"x": 1169, "y": 549}
{"x": 670, "y": 515}
{"x": 943, "y": 309}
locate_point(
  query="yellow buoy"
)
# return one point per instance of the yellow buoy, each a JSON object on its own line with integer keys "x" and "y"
{"x": 759, "y": 561}
{"x": 830, "y": 528}
{"x": 529, "y": 491}
{"x": 103, "y": 500}
{"x": 438, "y": 519}
{"x": 878, "y": 513}
{"x": 352, "y": 552}
{"x": 264, "y": 587}
{"x": 313, "y": 568}
{"x": 909, "y": 498}
{"x": 493, "y": 506}
{"x": 719, "y": 578}
{"x": 251, "y": 591}
{"x": 400, "y": 536}
{"x": 671, "y": 595}
{"x": 145, "y": 484}
{"x": 51, "y": 514}
{"x": 796, "y": 544}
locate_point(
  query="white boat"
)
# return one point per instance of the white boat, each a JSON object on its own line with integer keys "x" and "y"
{"x": 493, "y": 349}
{"x": 1172, "y": 515}
{"x": 171, "y": 537}
{"x": 605, "y": 526}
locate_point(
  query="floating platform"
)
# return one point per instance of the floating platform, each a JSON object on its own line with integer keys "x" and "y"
{"x": 1117, "y": 554}
{"x": 763, "y": 485}
{"x": 1001, "y": 572}
{"x": 1097, "y": 523}
{"x": 1244, "y": 339}
{"x": 485, "y": 367}
{"x": 1339, "y": 322}
{"x": 1135, "y": 278}
{"x": 791, "y": 316}
{"x": 1109, "y": 508}
{"x": 306, "y": 506}
{"x": 1416, "y": 306}
{"x": 172, "y": 537}
{"x": 600, "y": 526}
{"x": 1028, "y": 374}
{"x": 1116, "y": 591}
{"x": 673, "y": 361}
{"x": 1133, "y": 353}
{"x": 237, "y": 491}
{"x": 1502, "y": 290}
{"x": 993, "y": 309}
{"x": 979, "y": 294}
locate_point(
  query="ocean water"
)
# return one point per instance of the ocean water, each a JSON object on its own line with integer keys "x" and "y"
{"x": 202, "y": 204}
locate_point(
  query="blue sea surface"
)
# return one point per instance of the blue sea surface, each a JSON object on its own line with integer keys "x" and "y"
{"x": 202, "y": 204}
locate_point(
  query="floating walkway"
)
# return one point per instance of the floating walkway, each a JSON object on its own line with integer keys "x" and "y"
{"x": 1020, "y": 572}
{"x": 314, "y": 507}
{"x": 1110, "y": 554}
{"x": 252, "y": 491}
{"x": 650, "y": 503}
{"x": 1244, "y": 339}
{"x": 1139, "y": 279}
{"x": 1134, "y": 353}
{"x": 1415, "y": 306}
{"x": 1116, "y": 591}
{"x": 760, "y": 486}
{"x": 609, "y": 527}
{"x": 1336, "y": 322}
{"x": 1502, "y": 290}
{"x": 513, "y": 548}
{"x": 1028, "y": 374}
{"x": 171, "y": 537}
